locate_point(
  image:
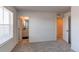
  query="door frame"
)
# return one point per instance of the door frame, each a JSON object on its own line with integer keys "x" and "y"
{"x": 69, "y": 29}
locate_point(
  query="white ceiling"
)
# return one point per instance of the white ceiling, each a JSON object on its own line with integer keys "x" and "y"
{"x": 58, "y": 9}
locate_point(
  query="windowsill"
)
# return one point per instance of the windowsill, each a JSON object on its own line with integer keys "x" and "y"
{"x": 3, "y": 41}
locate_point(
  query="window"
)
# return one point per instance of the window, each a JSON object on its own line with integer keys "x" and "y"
{"x": 6, "y": 24}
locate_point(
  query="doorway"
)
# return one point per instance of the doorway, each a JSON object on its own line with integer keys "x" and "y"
{"x": 59, "y": 28}
{"x": 25, "y": 32}
{"x": 23, "y": 27}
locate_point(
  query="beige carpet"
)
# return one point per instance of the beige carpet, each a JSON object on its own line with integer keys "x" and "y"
{"x": 50, "y": 46}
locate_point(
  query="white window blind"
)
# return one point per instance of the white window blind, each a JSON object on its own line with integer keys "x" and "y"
{"x": 6, "y": 24}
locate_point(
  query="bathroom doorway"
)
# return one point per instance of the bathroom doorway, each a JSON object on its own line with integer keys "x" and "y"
{"x": 25, "y": 30}
{"x": 24, "y": 27}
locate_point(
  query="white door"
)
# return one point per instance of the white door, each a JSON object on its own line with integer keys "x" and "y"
{"x": 65, "y": 28}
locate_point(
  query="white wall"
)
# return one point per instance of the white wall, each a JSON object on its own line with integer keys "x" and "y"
{"x": 65, "y": 26}
{"x": 11, "y": 43}
{"x": 75, "y": 28}
{"x": 42, "y": 26}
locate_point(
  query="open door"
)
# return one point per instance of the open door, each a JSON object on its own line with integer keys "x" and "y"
{"x": 67, "y": 28}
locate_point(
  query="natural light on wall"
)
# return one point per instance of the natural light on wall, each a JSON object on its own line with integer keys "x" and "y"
{"x": 6, "y": 25}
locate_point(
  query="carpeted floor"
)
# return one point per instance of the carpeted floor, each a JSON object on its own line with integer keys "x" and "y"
{"x": 50, "y": 46}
